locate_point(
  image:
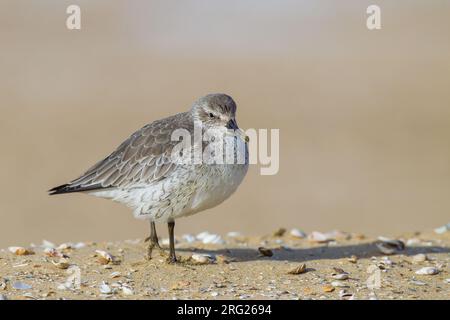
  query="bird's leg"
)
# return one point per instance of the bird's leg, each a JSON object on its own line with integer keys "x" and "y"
{"x": 172, "y": 256}
{"x": 153, "y": 240}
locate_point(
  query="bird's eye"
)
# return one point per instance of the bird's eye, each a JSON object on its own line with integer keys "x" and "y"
{"x": 211, "y": 115}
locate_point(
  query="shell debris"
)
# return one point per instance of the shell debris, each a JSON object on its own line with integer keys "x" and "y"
{"x": 301, "y": 268}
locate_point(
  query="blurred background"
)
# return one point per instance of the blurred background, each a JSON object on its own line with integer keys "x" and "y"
{"x": 364, "y": 116}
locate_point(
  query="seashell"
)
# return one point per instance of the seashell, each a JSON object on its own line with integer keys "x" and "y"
{"x": 20, "y": 251}
{"x": 298, "y": 270}
{"x": 320, "y": 237}
{"x": 339, "y": 284}
{"x": 418, "y": 283}
{"x": 428, "y": 271}
{"x": 61, "y": 264}
{"x": 353, "y": 259}
{"x": 339, "y": 274}
{"x": 442, "y": 229}
{"x": 105, "y": 289}
{"x": 115, "y": 274}
{"x": 21, "y": 286}
{"x": 447, "y": 280}
{"x": 201, "y": 258}
{"x": 297, "y": 233}
{"x": 265, "y": 252}
{"x": 105, "y": 257}
{"x": 345, "y": 295}
{"x": 279, "y": 232}
{"x": 389, "y": 246}
{"x": 328, "y": 288}
{"x": 214, "y": 294}
{"x": 419, "y": 258}
{"x": 127, "y": 291}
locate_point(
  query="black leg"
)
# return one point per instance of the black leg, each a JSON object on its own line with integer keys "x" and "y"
{"x": 153, "y": 240}
{"x": 172, "y": 256}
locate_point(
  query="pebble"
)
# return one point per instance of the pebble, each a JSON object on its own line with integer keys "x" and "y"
{"x": 328, "y": 288}
{"x": 21, "y": 286}
{"x": 447, "y": 280}
{"x": 265, "y": 252}
{"x": 297, "y": 233}
{"x": 352, "y": 259}
{"x": 3, "y": 297}
{"x": 279, "y": 232}
{"x": 427, "y": 271}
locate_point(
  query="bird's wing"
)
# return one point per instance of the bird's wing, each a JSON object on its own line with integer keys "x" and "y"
{"x": 143, "y": 158}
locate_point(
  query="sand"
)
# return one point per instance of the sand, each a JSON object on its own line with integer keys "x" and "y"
{"x": 349, "y": 267}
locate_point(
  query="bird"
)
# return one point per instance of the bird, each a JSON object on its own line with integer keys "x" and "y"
{"x": 143, "y": 173}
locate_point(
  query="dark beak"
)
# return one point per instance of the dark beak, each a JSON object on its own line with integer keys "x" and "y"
{"x": 232, "y": 124}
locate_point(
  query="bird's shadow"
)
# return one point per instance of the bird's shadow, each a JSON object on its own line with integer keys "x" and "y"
{"x": 361, "y": 251}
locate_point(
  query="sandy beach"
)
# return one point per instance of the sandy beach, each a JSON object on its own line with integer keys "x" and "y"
{"x": 282, "y": 265}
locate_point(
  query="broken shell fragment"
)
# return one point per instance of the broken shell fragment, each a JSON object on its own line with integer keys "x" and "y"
{"x": 339, "y": 274}
{"x": 61, "y": 264}
{"x": 201, "y": 258}
{"x": 299, "y": 269}
{"x": 105, "y": 257}
{"x": 265, "y": 252}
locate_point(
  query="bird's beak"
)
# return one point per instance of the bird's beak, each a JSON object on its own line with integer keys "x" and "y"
{"x": 237, "y": 132}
